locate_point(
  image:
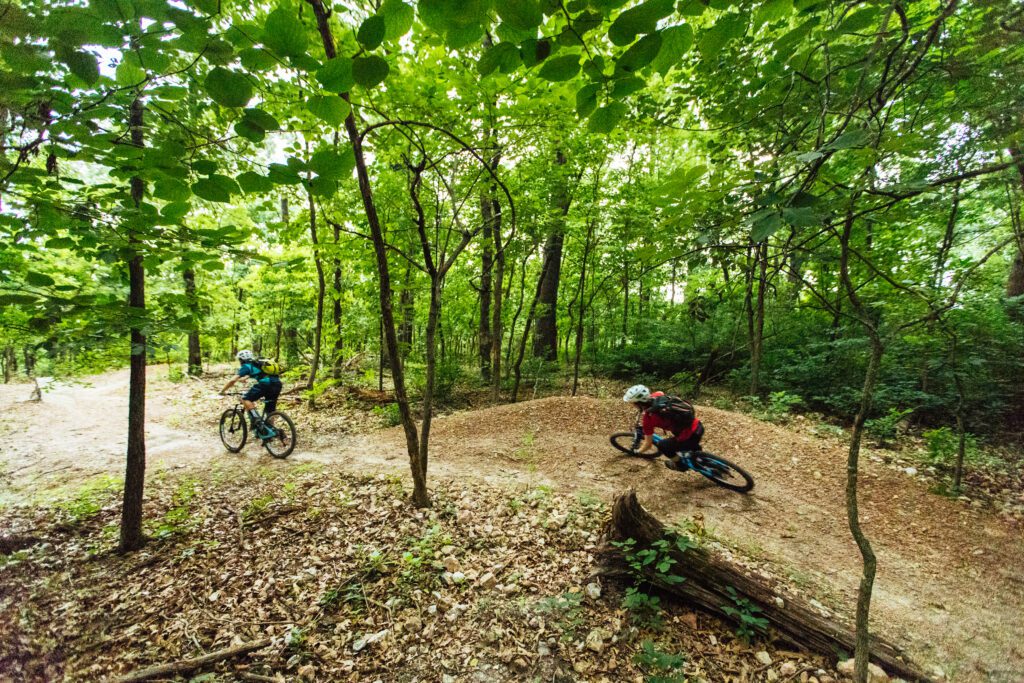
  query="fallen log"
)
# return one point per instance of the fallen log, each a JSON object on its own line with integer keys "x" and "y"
{"x": 708, "y": 577}
{"x": 186, "y": 665}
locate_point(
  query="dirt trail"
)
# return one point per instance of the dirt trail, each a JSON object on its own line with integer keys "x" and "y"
{"x": 950, "y": 585}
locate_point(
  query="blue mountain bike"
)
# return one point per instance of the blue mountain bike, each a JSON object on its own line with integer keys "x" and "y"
{"x": 275, "y": 430}
{"x": 717, "y": 469}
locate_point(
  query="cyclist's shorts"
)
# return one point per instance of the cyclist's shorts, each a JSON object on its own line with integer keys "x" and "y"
{"x": 268, "y": 391}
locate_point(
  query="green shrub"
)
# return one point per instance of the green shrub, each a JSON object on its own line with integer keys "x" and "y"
{"x": 776, "y": 408}
{"x": 664, "y": 667}
{"x": 745, "y": 612}
{"x": 884, "y": 428}
{"x": 389, "y": 413}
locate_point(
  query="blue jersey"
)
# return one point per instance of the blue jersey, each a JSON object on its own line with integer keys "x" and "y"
{"x": 252, "y": 370}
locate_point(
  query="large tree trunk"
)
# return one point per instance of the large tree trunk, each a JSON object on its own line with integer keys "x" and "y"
{"x": 484, "y": 335}
{"x": 135, "y": 466}
{"x": 421, "y": 497}
{"x": 195, "y": 352}
{"x": 545, "y": 339}
{"x": 526, "y": 330}
{"x": 1015, "y": 282}
{"x": 497, "y": 239}
{"x": 709, "y": 576}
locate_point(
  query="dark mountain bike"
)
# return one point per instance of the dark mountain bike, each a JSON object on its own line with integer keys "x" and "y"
{"x": 276, "y": 431}
{"x": 715, "y": 468}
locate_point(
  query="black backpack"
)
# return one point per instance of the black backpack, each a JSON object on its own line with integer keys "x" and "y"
{"x": 679, "y": 412}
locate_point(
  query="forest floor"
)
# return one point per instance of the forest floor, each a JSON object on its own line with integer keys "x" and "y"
{"x": 950, "y": 586}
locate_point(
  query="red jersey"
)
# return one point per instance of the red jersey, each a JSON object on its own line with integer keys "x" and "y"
{"x": 651, "y": 422}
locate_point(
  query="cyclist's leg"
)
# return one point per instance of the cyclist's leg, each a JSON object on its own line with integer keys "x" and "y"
{"x": 255, "y": 393}
{"x": 692, "y": 444}
{"x": 270, "y": 394}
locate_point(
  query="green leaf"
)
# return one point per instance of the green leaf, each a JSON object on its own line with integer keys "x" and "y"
{"x": 398, "y": 18}
{"x": 39, "y": 279}
{"x": 801, "y": 216}
{"x": 772, "y": 10}
{"x": 369, "y": 71}
{"x": 533, "y": 52}
{"x": 766, "y": 224}
{"x": 129, "y": 71}
{"x": 586, "y": 99}
{"x": 560, "y": 68}
{"x": 858, "y": 21}
{"x": 503, "y": 56}
{"x": 262, "y": 119}
{"x": 676, "y": 41}
{"x": 522, "y": 15}
{"x": 329, "y": 163}
{"x": 175, "y": 211}
{"x": 371, "y": 32}
{"x": 606, "y": 118}
{"x": 336, "y": 75}
{"x": 15, "y": 299}
{"x": 330, "y": 108}
{"x": 725, "y": 29}
{"x": 171, "y": 190}
{"x": 691, "y": 8}
{"x": 249, "y": 130}
{"x": 216, "y": 188}
{"x": 640, "y": 19}
{"x": 849, "y": 139}
{"x": 284, "y": 33}
{"x": 642, "y": 53}
{"x": 257, "y": 59}
{"x": 228, "y": 88}
{"x": 204, "y": 166}
{"x": 627, "y": 86}
{"x": 83, "y": 64}
{"x": 253, "y": 183}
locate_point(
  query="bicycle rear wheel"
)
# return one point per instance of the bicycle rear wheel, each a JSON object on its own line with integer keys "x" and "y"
{"x": 233, "y": 430}
{"x": 722, "y": 472}
{"x": 281, "y": 443}
{"x": 623, "y": 441}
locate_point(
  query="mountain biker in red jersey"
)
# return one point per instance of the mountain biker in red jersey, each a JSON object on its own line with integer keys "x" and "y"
{"x": 686, "y": 431}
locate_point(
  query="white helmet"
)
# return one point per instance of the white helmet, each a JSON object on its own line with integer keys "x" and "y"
{"x": 245, "y": 355}
{"x": 637, "y": 393}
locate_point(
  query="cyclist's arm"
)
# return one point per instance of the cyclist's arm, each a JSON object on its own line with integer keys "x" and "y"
{"x": 231, "y": 383}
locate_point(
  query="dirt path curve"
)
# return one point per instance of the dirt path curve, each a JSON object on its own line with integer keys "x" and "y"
{"x": 950, "y": 585}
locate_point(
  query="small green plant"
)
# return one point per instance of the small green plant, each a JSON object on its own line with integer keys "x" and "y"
{"x": 566, "y": 612}
{"x": 659, "y": 666}
{"x": 89, "y": 499}
{"x": 178, "y": 517}
{"x": 256, "y": 506}
{"x": 776, "y": 408}
{"x": 745, "y": 612}
{"x": 657, "y": 559}
{"x": 389, "y": 414}
{"x": 175, "y": 374}
{"x": 944, "y": 442}
{"x": 885, "y": 428}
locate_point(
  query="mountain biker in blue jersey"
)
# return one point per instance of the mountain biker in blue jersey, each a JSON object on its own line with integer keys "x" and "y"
{"x": 266, "y": 386}
{"x": 659, "y": 413}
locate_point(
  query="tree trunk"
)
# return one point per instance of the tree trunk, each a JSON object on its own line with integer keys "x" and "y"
{"x": 582, "y": 308}
{"x": 515, "y": 320}
{"x": 757, "y": 338}
{"x": 545, "y": 340}
{"x": 869, "y": 562}
{"x": 336, "y": 311}
{"x": 526, "y": 330}
{"x": 709, "y": 576}
{"x": 195, "y": 352}
{"x": 484, "y": 343}
{"x": 498, "y": 241}
{"x": 421, "y": 497}
{"x": 135, "y": 466}
{"x": 407, "y": 308}
{"x": 321, "y": 286}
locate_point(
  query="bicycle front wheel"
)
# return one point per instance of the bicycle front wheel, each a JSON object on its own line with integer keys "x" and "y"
{"x": 233, "y": 430}
{"x": 623, "y": 441}
{"x": 722, "y": 472}
{"x": 281, "y": 441}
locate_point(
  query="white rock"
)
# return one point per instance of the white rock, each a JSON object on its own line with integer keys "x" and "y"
{"x": 487, "y": 580}
{"x": 595, "y": 639}
{"x": 451, "y": 563}
{"x": 447, "y": 678}
{"x": 593, "y": 590}
{"x": 875, "y": 673}
{"x": 788, "y": 669}
{"x": 911, "y": 471}
{"x": 363, "y": 642}
{"x": 543, "y": 650}
{"x": 780, "y": 603}
{"x": 763, "y": 657}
